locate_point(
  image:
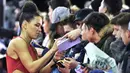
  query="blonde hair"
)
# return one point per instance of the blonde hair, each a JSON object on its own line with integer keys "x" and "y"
{"x": 106, "y": 30}
{"x": 74, "y": 9}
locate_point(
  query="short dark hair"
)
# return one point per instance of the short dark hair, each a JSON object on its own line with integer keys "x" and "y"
{"x": 82, "y": 13}
{"x": 113, "y": 6}
{"x": 123, "y": 21}
{"x": 55, "y": 3}
{"x": 114, "y": 20}
{"x": 29, "y": 10}
{"x": 96, "y": 20}
{"x": 95, "y": 4}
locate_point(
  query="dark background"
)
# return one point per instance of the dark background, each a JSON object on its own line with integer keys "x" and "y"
{"x": 42, "y": 4}
{"x": 1, "y": 12}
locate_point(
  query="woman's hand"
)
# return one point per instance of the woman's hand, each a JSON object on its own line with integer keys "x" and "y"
{"x": 55, "y": 47}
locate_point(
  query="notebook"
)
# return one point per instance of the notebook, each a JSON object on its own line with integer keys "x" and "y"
{"x": 66, "y": 43}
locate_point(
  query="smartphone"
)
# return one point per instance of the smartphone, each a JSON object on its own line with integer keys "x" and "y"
{"x": 60, "y": 64}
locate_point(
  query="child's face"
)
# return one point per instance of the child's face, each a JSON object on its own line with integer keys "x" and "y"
{"x": 67, "y": 28}
{"x": 60, "y": 30}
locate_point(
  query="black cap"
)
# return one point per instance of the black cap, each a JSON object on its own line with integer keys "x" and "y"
{"x": 81, "y": 14}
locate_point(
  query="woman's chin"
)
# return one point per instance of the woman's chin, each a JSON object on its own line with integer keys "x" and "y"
{"x": 35, "y": 37}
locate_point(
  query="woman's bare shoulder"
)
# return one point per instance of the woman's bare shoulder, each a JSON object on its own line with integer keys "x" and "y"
{"x": 16, "y": 43}
{"x": 13, "y": 47}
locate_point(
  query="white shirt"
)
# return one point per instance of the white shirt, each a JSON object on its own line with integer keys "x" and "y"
{"x": 46, "y": 42}
{"x": 99, "y": 59}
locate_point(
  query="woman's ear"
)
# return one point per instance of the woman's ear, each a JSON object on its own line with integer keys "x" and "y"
{"x": 24, "y": 24}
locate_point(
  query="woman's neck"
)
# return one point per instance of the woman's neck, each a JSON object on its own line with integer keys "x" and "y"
{"x": 25, "y": 37}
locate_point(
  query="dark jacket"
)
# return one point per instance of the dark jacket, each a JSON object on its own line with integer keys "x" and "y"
{"x": 117, "y": 49}
{"x": 126, "y": 60}
{"x": 106, "y": 39}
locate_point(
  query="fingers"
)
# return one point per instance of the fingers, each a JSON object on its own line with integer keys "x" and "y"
{"x": 67, "y": 65}
{"x": 60, "y": 69}
{"x": 68, "y": 35}
{"x": 55, "y": 44}
{"x": 67, "y": 59}
{"x": 85, "y": 70}
{"x": 64, "y": 70}
{"x": 65, "y": 36}
{"x": 71, "y": 37}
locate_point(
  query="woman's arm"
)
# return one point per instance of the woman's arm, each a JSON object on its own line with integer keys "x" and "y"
{"x": 48, "y": 67}
{"x": 26, "y": 59}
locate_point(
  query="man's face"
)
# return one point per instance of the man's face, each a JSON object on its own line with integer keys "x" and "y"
{"x": 116, "y": 31}
{"x": 125, "y": 35}
{"x": 86, "y": 33}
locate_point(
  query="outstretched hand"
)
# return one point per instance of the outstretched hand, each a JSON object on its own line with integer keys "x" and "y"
{"x": 72, "y": 35}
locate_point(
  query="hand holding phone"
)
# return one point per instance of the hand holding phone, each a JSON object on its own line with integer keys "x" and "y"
{"x": 60, "y": 64}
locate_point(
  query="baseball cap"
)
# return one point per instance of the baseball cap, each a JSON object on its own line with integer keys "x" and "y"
{"x": 59, "y": 14}
{"x": 81, "y": 14}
